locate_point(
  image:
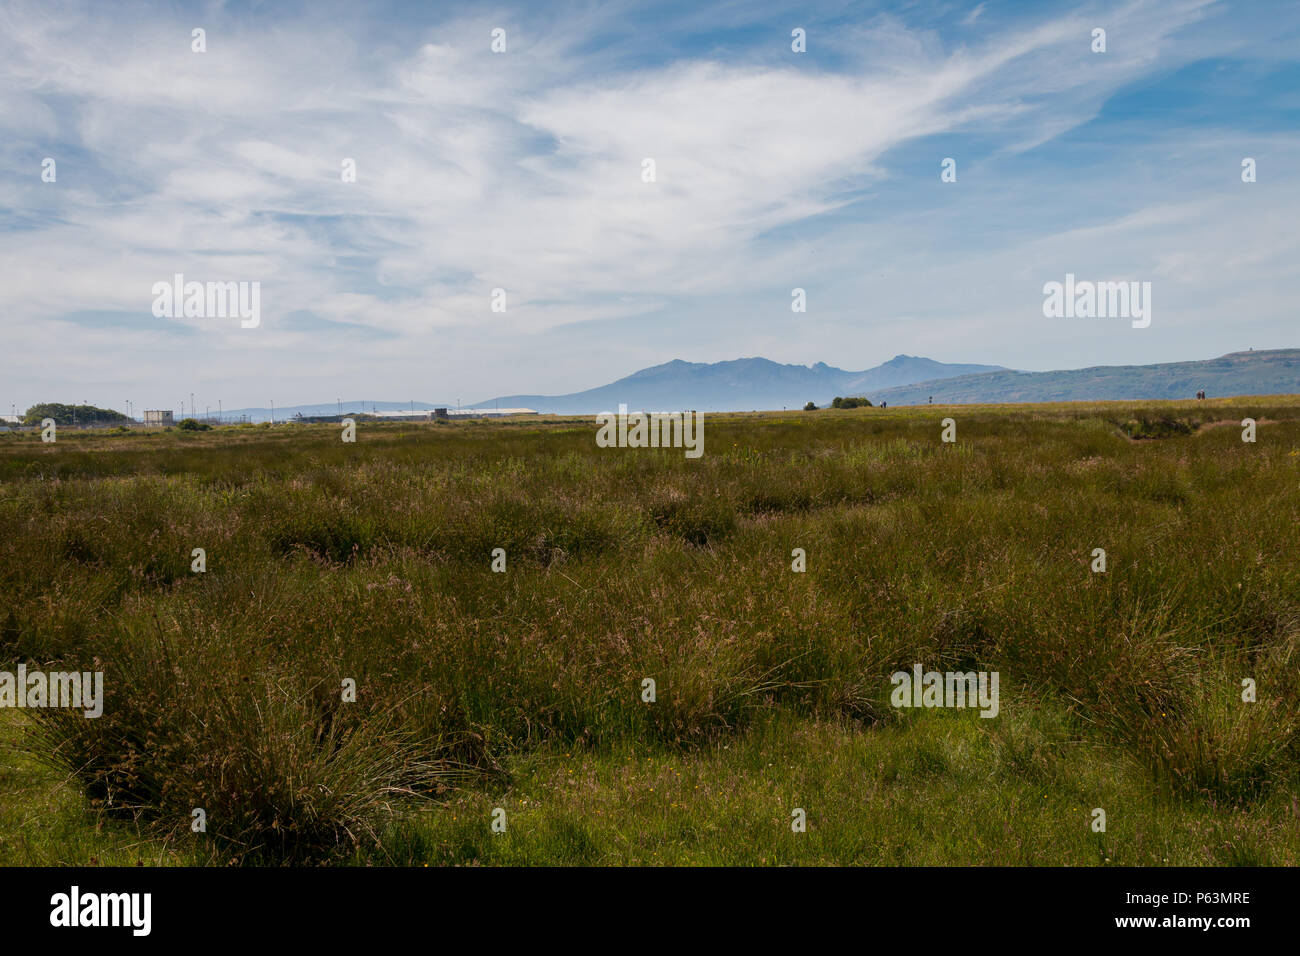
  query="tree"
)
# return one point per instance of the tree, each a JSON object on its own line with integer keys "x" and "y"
{"x": 193, "y": 425}
{"x": 73, "y": 414}
{"x": 810, "y": 407}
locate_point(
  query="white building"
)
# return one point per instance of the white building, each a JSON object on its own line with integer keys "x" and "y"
{"x": 424, "y": 415}
{"x": 488, "y": 412}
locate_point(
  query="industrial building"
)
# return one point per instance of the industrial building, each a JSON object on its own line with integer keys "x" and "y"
{"x": 447, "y": 414}
{"x": 154, "y": 416}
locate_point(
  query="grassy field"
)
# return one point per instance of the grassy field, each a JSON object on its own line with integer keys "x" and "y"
{"x": 518, "y": 695}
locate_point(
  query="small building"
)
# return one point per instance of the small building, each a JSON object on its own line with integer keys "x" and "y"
{"x": 153, "y": 416}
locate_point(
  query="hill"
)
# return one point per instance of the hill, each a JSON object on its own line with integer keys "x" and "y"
{"x": 1271, "y": 372}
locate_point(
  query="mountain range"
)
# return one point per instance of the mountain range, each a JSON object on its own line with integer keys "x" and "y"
{"x": 760, "y": 384}
{"x": 738, "y": 385}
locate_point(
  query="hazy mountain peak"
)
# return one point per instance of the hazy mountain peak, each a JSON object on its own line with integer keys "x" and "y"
{"x": 739, "y": 384}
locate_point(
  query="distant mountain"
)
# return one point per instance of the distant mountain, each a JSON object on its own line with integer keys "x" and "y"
{"x": 738, "y": 385}
{"x": 756, "y": 383}
{"x": 1271, "y": 372}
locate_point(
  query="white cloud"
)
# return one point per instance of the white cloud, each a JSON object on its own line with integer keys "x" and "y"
{"x": 478, "y": 170}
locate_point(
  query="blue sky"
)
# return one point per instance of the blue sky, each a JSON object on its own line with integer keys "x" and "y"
{"x": 522, "y": 170}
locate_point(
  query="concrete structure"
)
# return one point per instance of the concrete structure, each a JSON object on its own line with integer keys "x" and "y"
{"x": 153, "y": 416}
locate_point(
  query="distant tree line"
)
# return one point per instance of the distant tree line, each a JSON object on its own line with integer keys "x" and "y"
{"x": 73, "y": 414}
{"x": 839, "y": 402}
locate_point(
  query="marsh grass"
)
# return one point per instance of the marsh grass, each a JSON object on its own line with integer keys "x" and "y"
{"x": 371, "y": 561}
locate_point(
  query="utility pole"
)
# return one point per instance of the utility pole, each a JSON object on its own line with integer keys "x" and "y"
{"x": 220, "y": 414}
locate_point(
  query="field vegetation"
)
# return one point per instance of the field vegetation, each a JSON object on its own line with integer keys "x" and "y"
{"x": 476, "y": 690}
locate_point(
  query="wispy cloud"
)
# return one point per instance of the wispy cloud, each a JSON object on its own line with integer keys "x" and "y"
{"x": 522, "y": 171}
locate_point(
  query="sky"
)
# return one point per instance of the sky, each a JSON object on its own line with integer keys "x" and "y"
{"x": 524, "y": 171}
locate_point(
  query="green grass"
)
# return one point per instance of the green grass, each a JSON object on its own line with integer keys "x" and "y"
{"x": 371, "y": 561}
{"x": 45, "y": 819}
{"x": 938, "y": 791}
